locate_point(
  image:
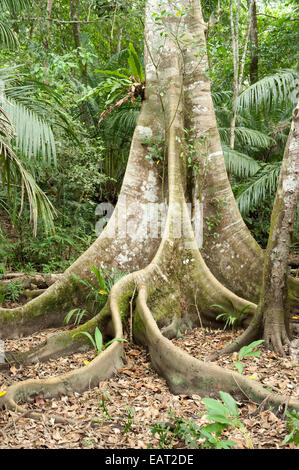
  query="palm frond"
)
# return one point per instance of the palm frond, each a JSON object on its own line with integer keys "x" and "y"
{"x": 123, "y": 122}
{"x": 239, "y": 164}
{"x": 219, "y": 97}
{"x": 15, "y": 6}
{"x": 270, "y": 91}
{"x": 34, "y": 137}
{"x": 262, "y": 185}
{"x": 11, "y": 168}
{"x": 8, "y": 38}
{"x": 247, "y": 136}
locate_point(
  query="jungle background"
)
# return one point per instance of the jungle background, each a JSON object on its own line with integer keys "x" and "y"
{"x": 56, "y": 59}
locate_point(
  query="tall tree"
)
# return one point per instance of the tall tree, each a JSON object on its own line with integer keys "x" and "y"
{"x": 176, "y": 283}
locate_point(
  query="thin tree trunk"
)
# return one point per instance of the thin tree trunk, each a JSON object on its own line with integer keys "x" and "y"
{"x": 238, "y": 64}
{"x": 75, "y": 16}
{"x": 254, "y": 58}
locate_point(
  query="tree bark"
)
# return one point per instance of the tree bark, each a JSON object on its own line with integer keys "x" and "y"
{"x": 254, "y": 44}
{"x": 274, "y": 305}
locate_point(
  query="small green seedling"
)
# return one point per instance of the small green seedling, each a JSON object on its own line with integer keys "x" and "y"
{"x": 293, "y": 427}
{"x": 223, "y": 415}
{"x": 247, "y": 351}
{"x": 78, "y": 313}
{"x": 232, "y": 318}
{"x": 131, "y": 412}
{"x": 105, "y": 395}
{"x": 97, "y": 341}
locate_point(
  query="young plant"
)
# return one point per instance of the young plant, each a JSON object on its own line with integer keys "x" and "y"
{"x": 10, "y": 291}
{"x": 247, "y": 351}
{"x": 232, "y": 318}
{"x": 97, "y": 340}
{"x": 105, "y": 395}
{"x": 97, "y": 292}
{"x": 166, "y": 436}
{"x": 223, "y": 415}
{"x": 293, "y": 427}
{"x": 78, "y": 313}
{"x": 130, "y": 418}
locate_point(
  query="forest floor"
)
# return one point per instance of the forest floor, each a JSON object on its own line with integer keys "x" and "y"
{"x": 123, "y": 412}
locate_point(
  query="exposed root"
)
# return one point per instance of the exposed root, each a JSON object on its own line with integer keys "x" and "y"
{"x": 185, "y": 374}
{"x": 252, "y": 333}
{"x": 26, "y": 280}
{"x": 276, "y": 338}
{"x": 64, "y": 343}
{"x": 100, "y": 368}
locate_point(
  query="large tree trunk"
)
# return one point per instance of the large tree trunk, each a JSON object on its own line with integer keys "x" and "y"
{"x": 274, "y": 305}
{"x": 167, "y": 270}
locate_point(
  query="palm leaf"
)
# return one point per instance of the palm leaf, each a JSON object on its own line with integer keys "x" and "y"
{"x": 34, "y": 137}
{"x": 8, "y": 38}
{"x": 263, "y": 185}
{"x": 239, "y": 164}
{"x": 15, "y": 6}
{"x": 135, "y": 64}
{"x": 247, "y": 136}
{"x": 270, "y": 91}
{"x": 11, "y": 167}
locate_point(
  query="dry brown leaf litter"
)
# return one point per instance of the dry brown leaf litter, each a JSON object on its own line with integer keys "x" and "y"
{"x": 98, "y": 417}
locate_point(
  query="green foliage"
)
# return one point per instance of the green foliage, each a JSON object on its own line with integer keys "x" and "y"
{"x": 78, "y": 313}
{"x": 232, "y": 317}
{"x": 97, "y": 293}
{"x": 118, "y": 82}
{"x": 97, "y": 340}
{"x": 156, "y": 148}
{"x": 271, "y": 91}
{"x": 10, "y": 291}
{"x": 222, "y": 415}
{"x": 131, "y": 412}
{"x": 293, "y": 428}
{"x": 105, "y": 396}
{"x": 247, "y": 351}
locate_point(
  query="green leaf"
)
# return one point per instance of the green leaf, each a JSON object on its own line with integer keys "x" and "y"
{"x": 135, "y": 64}
{"x": 114, "y": 340}
{"x": 100, "y": 277}
{"x": 69, "y": 315}
{"x": 230, "y": 403}
{"x": 239, "y": 366}
{"x": 98, "y": 340}
{"x": 227, "y": 444}
{"x": 89, "y": 337}
{"x": 215, "y": 407}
